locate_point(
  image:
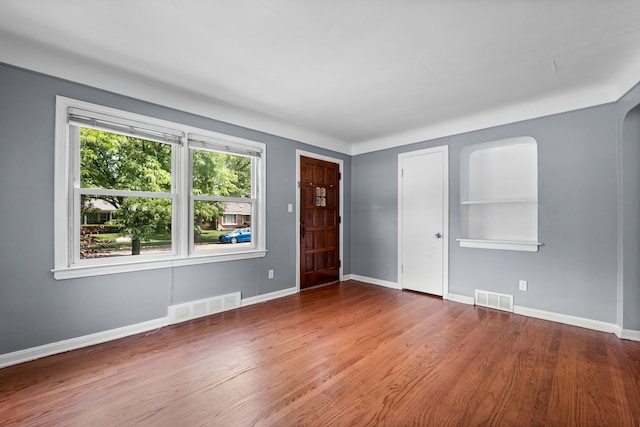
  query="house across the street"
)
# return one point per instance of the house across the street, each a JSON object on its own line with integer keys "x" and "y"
{"x": 97, "y": 211}
{"x": 235, "y": 215}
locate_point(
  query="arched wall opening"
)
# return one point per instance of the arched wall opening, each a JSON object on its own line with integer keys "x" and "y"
{"x": 631, "y": 219}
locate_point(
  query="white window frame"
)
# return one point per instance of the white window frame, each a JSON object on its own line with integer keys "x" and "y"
{"x": 66, "y": 228}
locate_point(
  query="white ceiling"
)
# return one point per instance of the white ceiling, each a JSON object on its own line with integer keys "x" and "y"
{"x": 350, "y": 75}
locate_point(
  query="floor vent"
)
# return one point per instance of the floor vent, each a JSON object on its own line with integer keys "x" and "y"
{"x": 494, "y": 300}
{"x": 204, "y": 307}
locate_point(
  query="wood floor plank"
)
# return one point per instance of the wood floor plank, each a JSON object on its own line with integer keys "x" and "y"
{"x": 341, "y": 355}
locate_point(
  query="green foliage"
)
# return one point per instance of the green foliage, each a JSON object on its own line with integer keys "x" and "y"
{"x": 220, "y": 174}
{"x": 118, "y": 162}
{"x": 142, "y": 218}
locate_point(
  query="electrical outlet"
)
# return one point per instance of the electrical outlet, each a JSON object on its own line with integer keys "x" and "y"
{"x": 523, "y": 285}
{"x": 270, "y": 274}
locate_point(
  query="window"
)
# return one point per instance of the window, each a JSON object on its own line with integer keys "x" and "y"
{"x": 220, "y": 180}
{"x": 134, "y": 192}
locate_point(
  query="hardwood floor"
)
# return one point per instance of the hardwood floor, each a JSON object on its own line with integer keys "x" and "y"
{"x": 346, "y": 354}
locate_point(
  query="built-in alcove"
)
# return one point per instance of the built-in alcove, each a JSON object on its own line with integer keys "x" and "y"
{"x": 499, "y": 195}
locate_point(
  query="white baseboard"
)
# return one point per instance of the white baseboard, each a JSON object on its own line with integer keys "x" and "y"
{"x": 267, "y": 297}
{"x": 386, "y": 284}
{"x": 582, "y": 322}
{"x": 460, "y": 298}
{"x": 21, "y": 356}
{"x": 33, "y": 353}
{"x": 566, "y": 319}
{"x": 629, "y": 334}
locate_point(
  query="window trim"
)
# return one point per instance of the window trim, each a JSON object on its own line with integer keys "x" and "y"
{"x": 65, "y": 264}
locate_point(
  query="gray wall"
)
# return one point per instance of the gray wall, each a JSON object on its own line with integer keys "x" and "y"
{"x": 589, "y": 172}
{"x": 574, "y": 273}
{"x": 374, "y": 213}
{"x": 35, "y": 309}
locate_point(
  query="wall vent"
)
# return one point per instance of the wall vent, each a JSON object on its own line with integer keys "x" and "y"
{"x": 494, "y": 300}
{"x": 204, "y": 307}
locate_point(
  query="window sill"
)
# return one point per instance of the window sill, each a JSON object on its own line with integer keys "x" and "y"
{"x": 149, "y": 264}
{"x": 505, "y": 245}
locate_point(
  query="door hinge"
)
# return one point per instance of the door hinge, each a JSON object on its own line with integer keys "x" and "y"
{"x": 339, "y": 263}
{"x": 402, "y": 269}
{"x": 299, "y": 184}
{"x": 339, "y": 175}
{"x": 339, "y": 220}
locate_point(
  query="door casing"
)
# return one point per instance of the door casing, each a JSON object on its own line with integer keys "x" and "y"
{"x": 445, "y": 202}
{"x": 340, "y": 163}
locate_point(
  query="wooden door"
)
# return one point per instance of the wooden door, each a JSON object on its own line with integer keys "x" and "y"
{"x": 423, "y": 236}
{"x": 319, "y": 222}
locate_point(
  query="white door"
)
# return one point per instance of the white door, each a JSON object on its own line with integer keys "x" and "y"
{"x": 423, "y": 205}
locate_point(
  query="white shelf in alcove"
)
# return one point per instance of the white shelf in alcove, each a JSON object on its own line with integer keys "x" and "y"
{"x": 506, "y": 245}
{"x": 498, "y": 201}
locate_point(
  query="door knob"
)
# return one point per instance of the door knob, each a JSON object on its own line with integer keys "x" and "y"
{"x": 438, "y": 235}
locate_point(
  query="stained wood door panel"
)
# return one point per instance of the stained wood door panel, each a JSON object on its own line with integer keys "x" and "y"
{"x": 319, "y": 224}
{"x": 320, "y": 218}
{"x": 319, "y": 261}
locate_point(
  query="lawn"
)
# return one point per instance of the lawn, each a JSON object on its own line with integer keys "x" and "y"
{"x": 108, "y": 240}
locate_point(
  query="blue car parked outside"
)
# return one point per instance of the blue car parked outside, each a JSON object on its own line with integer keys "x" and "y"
{"x": 235, "y": 236}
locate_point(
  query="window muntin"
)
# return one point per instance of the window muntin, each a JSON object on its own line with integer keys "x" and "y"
{"x": 148, "y": 191}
